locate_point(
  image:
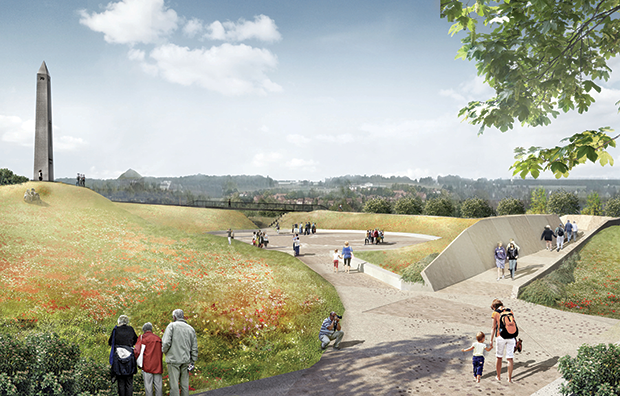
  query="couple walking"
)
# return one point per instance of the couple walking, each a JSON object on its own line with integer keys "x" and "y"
{"x": 502, "y": 254}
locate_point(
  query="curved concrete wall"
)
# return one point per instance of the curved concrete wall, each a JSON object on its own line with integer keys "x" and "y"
{"x": 471, "y": 253}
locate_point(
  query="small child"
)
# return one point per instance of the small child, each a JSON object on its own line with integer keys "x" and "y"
{"x": 336, "y": 258}
{"x": 478, "y": 359}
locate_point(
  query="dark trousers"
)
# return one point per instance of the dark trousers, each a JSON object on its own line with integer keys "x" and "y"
{"x": 125, "y": 385}
{"x": 478, "y": 362}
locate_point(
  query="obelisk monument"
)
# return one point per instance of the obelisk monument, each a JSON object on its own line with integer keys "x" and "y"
{"x": 43, "y": 148}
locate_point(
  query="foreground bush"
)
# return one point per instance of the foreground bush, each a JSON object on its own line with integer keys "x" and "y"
{"x": 552, "y": 288}
{"x": 413, "y": 273}
{"x": 594, "y": 371}
{"x": 612, "y": 208}
{"x": 45, "y": 364}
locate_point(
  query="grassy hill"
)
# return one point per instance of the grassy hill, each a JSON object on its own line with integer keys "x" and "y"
{"x": 194, "y": 220}
{"x": 74, "y": 263}
{"x": 395, "y": 260}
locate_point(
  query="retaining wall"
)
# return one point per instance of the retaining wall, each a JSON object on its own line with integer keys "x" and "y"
{"x": 472, "y": 252}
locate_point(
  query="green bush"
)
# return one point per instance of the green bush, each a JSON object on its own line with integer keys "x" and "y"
{"x": 45, "y": 364}
{"x": 562, "y": 203}
{"x": 510, "y": 206}
{"x": 593, "y": 205}
{"x": 378, "y": 205}
{"x": 612, "y": 208}
{"x": 475, "y": 208}
{"x": 409, "y": 206}
{"x": 594, "y": 371}
{"x": 8, "y": 177}
{"x": 551, "y": 288}
{"x": 441, "y": 206}
{"x": 413, "y": 272}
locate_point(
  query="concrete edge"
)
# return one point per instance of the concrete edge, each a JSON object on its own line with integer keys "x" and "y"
{"x": 388, "y": 277}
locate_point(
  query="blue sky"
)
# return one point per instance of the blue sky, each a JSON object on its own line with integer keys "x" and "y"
{"x": 289, "y": 89}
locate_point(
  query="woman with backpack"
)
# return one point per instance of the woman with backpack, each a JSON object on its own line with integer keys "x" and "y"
{"x": 504, "y": 329}
{"x": 122, "y": 358}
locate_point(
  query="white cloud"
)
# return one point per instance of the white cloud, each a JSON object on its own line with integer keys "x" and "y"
{"x": 132, "y": 21}
{"x": 14, "y": 130}
{"x": 299, "y": 163}
{"x": 193, "y": 27}
{"x": 135, "y": 54}
{"x": 262, "y": 28}
{"x": 344, "y": 138}
{"x": 264, "y": 159}
{"x": 298, "y": 140}
{"x": 264, "y": 129}
{"x": 228, "y": 69}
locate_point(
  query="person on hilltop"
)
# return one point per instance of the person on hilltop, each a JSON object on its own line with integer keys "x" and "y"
{"x": 122, "y": 358}
{"x": 230, "y": 234}
{"x": 40, "y": 175}
{"x": 331, "y": 330}
{"x": 548, "y": 236}
{"x": 149, "y": 346}
{"x": 180, "y": 345}
{"x": 500, "y": 260}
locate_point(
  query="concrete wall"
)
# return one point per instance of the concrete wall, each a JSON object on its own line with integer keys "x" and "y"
{"x": 472, "y": 252}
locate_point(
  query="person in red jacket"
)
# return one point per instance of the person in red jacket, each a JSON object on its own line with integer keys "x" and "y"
{"x": 151, "y": 364}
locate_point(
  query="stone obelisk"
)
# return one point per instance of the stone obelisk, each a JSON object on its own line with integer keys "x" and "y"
{"x": 43, "y": 149}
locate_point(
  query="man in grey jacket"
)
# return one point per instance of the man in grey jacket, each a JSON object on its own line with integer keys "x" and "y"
{"x": 180, "y": 345}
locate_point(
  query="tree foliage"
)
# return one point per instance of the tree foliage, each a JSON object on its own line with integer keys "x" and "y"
{"x": 541, "y": 57}
{"x": 440, "y": 206}
{"x": 8, "y": 177}
{"x": 562, "y": 203}
{"x": 409, "y": 206}
{"x": 378, "y": 205}
{"x": 612, "y": 208}
{"x": 593, "y": 205}
{"x": 475, "y": 208}
{"x": 510, "y": 206}
{"x": 538, "y": 203}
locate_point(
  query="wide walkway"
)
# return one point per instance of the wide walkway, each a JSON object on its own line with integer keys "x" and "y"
{"x": 408, "y": 343}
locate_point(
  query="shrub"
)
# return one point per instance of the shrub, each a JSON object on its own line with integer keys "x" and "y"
{"x": 551, "y": 288}
{"x": 409, "y": 206}
{"x": 413, "y": 272}
{"x": 8, "y": 177}
{"x": 441, "y": 206}
{"x": 538, "y": 204}
{"x": 475, "y": 207}
{"x": 510, "y": 206}
{"x": 612, "y": 208}
{"x": 594, "y": 371}
{"x": 378, "y": 205}
{"x": 562, "y": 203}
{"x": 593, "y": 205}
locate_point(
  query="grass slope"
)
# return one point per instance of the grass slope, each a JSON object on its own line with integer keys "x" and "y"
{"x": 395, "y": 260}
{"x": 73, "y": 264}
{"x": 593, "y": 285}
{"x": 193, "y": 220}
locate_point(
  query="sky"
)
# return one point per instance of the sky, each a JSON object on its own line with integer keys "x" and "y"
{"x": 301, "y": 90}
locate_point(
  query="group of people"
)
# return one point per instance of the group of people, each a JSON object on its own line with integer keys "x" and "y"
{"x": 31, "y": 196}
{"x": 80, "y": 180}
{"x": 128, "y": 351}
{"x": 504, "y": 330}
{"x": 374, "y": 237}
{"x": 303, "y": 229}
{"x": 346, "y": 255}
{"x": 260, "y": 239}
{"x": 502, "y": 254}
{"x": 562, "y": 233}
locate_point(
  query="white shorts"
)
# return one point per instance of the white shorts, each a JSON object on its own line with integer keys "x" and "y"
{"x": 505, "y": 346}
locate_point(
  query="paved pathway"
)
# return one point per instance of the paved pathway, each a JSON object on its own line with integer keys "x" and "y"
{"x": 408, "y": 343}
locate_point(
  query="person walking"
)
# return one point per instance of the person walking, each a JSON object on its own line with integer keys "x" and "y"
{"x": 347, "y": 255}
{"x": 296, "y": 244}
{"x": 568, "y": 230}
{"x": 478, "y": 358}
{"x": 512, "y": 253}
{"x": 548, "y": 235}
{"x": 575, "y": 229}
{"x": 180, "y": 345}
{"x": 230, "y": 234}
{"x": 504, "y": 346}
{"x": 559, "y": 231}
{"x": 500, "y": 260}
{"x": 151, "y": 360}
{"x": 122, "y": 358}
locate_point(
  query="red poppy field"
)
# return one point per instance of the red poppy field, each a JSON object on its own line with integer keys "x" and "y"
{"x": 76, "y": 262}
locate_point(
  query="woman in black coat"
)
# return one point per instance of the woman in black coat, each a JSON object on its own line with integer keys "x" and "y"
{"x": 123, "y": 335}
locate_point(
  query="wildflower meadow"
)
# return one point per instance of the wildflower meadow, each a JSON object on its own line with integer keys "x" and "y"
{"x": 74, "y": 263}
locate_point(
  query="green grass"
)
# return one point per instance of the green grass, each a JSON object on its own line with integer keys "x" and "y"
{"x": 75, "y": 263}
{"x": 590, "y": 285}
{"x": 396, "y": 260}
{"x": 192, "y": 220}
